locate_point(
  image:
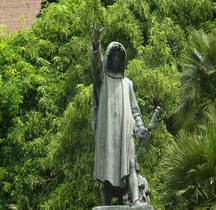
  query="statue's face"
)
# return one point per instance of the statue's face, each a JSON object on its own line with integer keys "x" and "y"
{"x": 115, "y": 60}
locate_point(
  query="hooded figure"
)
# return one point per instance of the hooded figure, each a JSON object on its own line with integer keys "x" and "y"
{"x": 116, "y": 116}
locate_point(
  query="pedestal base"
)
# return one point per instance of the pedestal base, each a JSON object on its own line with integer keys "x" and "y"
{"x": 112, "y": 208}
{"x": 146, "y": 207}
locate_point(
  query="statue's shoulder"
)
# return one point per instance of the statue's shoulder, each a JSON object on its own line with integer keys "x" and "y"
{"x": 128, "y": 80}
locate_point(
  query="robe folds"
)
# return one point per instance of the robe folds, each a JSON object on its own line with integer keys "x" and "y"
{"x": 115, "y": 111}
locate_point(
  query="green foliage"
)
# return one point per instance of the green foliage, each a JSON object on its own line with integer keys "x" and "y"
{"x": 186, "y": 13}
{"x": 189, "y": 179}
{"x": 188, "y": 172}
{"x": 75, "y": 187}
{"x": 198, "y": 90}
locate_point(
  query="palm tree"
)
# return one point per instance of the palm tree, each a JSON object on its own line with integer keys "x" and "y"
{"x": 198, "y": 83}
{"x": 188, "y": 172}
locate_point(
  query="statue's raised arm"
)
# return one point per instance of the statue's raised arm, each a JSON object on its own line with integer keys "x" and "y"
{"x": 96, "y": 58}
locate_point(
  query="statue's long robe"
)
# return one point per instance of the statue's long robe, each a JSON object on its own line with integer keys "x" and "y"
{"x": 115, "y": 108}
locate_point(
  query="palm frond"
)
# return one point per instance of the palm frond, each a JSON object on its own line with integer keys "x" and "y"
{"x": 188, "y": 171}
{"x": 198, "y": 90}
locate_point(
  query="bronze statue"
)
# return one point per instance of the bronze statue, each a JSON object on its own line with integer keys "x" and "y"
{"x": 116, "y": 120}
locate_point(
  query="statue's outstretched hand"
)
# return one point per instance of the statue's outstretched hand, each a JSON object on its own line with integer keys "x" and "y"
{"x": 97, "y": 30}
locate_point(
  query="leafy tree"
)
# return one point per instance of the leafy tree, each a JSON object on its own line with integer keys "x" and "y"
{"x": 71, "y": 157}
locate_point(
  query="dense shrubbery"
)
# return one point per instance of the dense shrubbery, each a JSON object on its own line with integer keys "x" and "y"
{"x": 46, "y": 140}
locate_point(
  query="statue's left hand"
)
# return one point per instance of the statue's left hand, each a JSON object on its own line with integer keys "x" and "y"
{"x": 145, "y": 134}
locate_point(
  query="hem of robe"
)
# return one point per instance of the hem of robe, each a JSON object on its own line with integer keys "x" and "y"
{"x": 124, "y": 183}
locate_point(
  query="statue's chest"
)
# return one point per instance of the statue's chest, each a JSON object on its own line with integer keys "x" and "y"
{"x": 115, "y": 95}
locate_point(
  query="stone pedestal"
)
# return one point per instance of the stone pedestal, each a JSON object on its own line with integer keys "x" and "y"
{"x": 112, "y": 208}
{"x": 146, "y": 207}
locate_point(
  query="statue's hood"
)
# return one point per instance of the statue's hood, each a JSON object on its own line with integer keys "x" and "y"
{"x": 122, "y": 67}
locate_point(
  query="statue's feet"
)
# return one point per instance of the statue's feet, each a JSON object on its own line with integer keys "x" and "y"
{"x": 137, "y": 203}
{"x": 141, "y": 206}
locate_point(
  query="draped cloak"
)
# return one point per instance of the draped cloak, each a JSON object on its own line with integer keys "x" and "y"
{"x": 115, "y": 111}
